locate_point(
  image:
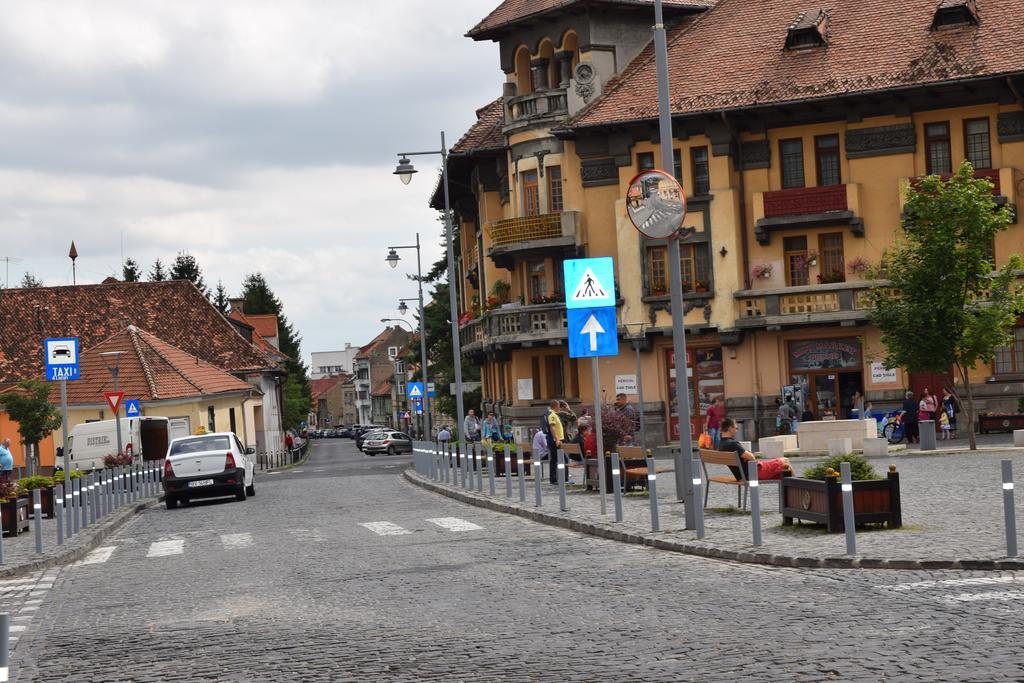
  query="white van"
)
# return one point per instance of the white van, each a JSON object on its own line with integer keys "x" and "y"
{"x": 145, "y": 437}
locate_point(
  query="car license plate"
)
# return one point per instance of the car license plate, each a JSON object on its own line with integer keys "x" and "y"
{"x": 201, "y": 482}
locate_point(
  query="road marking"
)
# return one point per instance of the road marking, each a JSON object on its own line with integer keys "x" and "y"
{"x": 165, "y": 548}
{"x": 1001, "y": 596}
{"x": 17, "y": 629}
{"x": 30, "y": 608}
{"x": 385, "y": 528}
{"x": 236, "y": 541}
{"x": 455, "y": 524}
{"x": 100, "y": 555}
{"x": 949, "y": 583}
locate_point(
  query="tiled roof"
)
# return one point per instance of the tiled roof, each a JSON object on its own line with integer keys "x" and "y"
{"x": 251, "y": 321}
{"x": 149, "y": 369}
{"x": 319, "y": 387}
{"x": 365, "y": 351}
{"x": 486, "y": 133}
{"x": 512, "y": 11}
{"x": 382, "y": 389}
{"x": 174, "y": 311}
{"x": 732, "y": 56}
{"x": 265, "y": 324}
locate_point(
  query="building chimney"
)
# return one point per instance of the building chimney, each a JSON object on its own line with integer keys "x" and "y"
{"x": 236, "y": 305}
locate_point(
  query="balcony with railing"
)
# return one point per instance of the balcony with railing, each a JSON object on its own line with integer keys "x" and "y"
{"x": 540, "y": 324}
{"x": 531, "y": 233}
{"x": 846, "y": 303}
{"x": 543, "y": 106}
{"x": 806, "y": 206}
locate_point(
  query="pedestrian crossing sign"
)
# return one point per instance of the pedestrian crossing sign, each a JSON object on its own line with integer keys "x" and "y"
{"x": 590, "y": 282}
{"x": 415, "y": 390}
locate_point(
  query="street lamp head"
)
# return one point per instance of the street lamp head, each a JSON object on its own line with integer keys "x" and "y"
{"x": 404, "y": 170}
{"x": 112, "y": 359}
{"x": 392, "y": 258}
{"x": 402, "y": 308}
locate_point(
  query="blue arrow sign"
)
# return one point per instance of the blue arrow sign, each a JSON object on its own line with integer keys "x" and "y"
{"x": 414, "y": 389}
{"x": 417, "y": 404}
{"x": 589, "y": 282}
{"x": 61, "y": 356}
{"x": 131, "y": 408}
{"x": 593, "y": 332}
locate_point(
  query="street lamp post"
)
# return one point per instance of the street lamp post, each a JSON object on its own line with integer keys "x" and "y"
{"x": 402, "y": 308}
{"x": 112, "y": 359}
{"x": 405, "y": 171}
{"x": 638, "y": 340}
{"x": 684, "y": 458}
{"x": 392, "y": 259}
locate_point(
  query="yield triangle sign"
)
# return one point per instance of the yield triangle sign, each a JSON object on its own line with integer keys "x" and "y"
{"x": 589, "y": 288}
{"x": 113, "y": 399}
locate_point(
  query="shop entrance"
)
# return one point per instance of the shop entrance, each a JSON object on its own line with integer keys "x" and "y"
{"x": 830, "y": 372}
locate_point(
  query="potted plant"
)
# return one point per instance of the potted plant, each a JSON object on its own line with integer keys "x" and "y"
{"x": 615, "y": 427}
{"x": 700, "y": 287}
{"x": 817, "y": 495}
{"x": 13, "y": 509}
{"x": 119, "y": 460}
{"x": 858, "y": 265}
{"x": 45, "y": 486}
{"x": 762, "y": 270}
{"x": 501, "y": 289}
{"x": 831, "y": 278}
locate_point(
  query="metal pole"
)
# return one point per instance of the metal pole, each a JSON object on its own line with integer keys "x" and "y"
{"x": 537, "y": 470}
{"x": 1009, "y": 513}
{"x": 424, "y": 374}
{"x": 67, "y": 455}
{"x": 452, "y": 287}
{"x": 755, "y": 500}
{"x": 461, "y": 448}
{"x": 652, "y": 492}
{"x": 617, "y": 486}
{"x": 562, "y": 505}
{"x": 522, "y": 473}
{"x": 5, "y": 644}
{"x": 479, "y": 450}
{"x": 117, "y": 413}
{"x": 684, "y": 476}
{"x": 58, "y": 511}
{"x": 596, "y": 372}
{"x": 640, "y": 393}
{"x": 490, "y": 468}
{"x": 76, "y": 487}
{"x": 508, "y": 471}
{"x": 37, "y": 510}
{"x": 848, "y": 524}
{"x": 698, "y": 500}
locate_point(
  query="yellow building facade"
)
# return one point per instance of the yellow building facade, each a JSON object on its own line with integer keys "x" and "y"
{"x": 791, "y": 202}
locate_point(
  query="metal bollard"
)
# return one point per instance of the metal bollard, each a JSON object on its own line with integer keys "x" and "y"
{"x": 5, "y": 646}
{"x": 479, "y": 450}
{"x": 617, "y": 486}
{"x": 68, "y": 513}
{"x": 1009, "y": 513}
{"x": 460, "y": 448}
{"x": 75, "y": 493}
{"x": 562, "y": 504}
{"x": 37, "y": 510}
{"x": 58, "y": 511}
{"x": 490, "y": 469}
{"x": 85, "y": 500}
{"x": 698, "y": 496}
{"x": 652, "y": 492}
{"x": 520, "y": 464}
{"x": 754, "y": 484}
{"x": 847, "y": 486}
{"x": 537, "y": 476}
{"x": 508, "y": 470}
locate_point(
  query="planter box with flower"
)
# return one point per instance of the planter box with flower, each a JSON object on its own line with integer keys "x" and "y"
{"x": 817, "y": 496}
{"x": 859, "y": 266}
{"x": 762, "y": 271}
{"x": 14, "y": 509}
{"x": 45, "y": 486}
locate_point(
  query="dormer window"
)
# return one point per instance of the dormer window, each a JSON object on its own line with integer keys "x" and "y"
{"x": 953, "y": 13}
{"x": 808, "y": 30}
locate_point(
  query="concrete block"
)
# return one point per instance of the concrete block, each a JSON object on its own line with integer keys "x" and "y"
{"x": 772, "y": 449}
{"x": 1018, "y": 438}
{"x": 746, "y": 444}
{"x": 840, "y": 446}
{"x": 788, "y": 441}
{"x": 876, "y": 446}
{"x": 814, "y": 436}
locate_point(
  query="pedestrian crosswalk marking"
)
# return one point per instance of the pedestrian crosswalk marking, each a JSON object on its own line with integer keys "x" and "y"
{"x": 385, "y": 528}
{"x": 165, "y": 548}
{"x": 589, "y": 288}
{"x": 236, "y": 541}
{"x": 1001, "y": 596}
{"x": 949, "y": 583}
{"x": 455, "y": 524}
{"x": 100, "y": 555}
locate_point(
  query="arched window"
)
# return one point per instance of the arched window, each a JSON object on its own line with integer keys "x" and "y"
{"x": 547, "y": 71}
{"x": 523, "y": 82}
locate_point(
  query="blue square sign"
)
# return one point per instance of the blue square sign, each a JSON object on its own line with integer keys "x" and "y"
{"x": 414, "y": 389}
{"x": 589, "y": 282}
{"x": 593, "y": 332}
{"x": 61, "y": 358}
{"x": 131, "y": 408}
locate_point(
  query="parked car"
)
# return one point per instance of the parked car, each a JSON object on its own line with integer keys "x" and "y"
{"x": 345, "y": 432}
{"x": 387, "y": 442}
{"x": 208, "y": 466}
{"x": 361, "y": 439}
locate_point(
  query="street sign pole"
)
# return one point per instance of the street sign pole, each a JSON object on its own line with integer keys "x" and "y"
{"x": 67, "y": 455}
{"x": 683, "y": 464}
{"x": 596, "y": 371}
{"x": 117, "y": 416}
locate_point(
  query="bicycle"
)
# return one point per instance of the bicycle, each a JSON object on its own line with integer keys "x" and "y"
{"x": 891, "y": 428}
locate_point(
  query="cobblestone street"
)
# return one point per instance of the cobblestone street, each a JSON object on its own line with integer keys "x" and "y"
{"x": 341, "y": 570}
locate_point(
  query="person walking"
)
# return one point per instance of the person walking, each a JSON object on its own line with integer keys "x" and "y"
{"x": 489, "y": 430}
{"x": 6, "y": 460}
{"x": 556, "y": 435}
{"x": 471, "y": 426}
{"x": 445, "y": 435}
{"x": 951, "y": 407}
{"x": 910, "y": 426}
{"x": 713, "y": 421}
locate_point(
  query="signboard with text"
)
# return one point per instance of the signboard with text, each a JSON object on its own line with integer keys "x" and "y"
{"x": 61, "y": 356}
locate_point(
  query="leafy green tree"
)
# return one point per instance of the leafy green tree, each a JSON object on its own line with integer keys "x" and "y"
{"x": 185, "y": 267}
{"x": 220, "y": 298}
{"x": 260, "y": 299}
{"x": 29, "y": 281}
{"x": 29, "y": 405}
{"x": 946, "y": 305}
{"x": 130, "y": 271}
{"x": 157, "y": 272}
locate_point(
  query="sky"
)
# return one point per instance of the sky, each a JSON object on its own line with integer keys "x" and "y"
{"x": 258, "y": 135}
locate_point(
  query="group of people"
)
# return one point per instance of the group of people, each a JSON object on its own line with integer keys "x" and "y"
{"x": 928, "y": 406}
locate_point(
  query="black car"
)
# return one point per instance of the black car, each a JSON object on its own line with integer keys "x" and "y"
{"x": 361, "y": 439}
{"x": 345, "y": 433}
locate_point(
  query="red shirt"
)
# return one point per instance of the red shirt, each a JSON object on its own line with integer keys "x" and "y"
{"x": 714, "y": 417}
{"x": 590, "y": 445}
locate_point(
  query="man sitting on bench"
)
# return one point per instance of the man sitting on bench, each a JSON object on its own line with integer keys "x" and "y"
{"x": 766, "y": 469}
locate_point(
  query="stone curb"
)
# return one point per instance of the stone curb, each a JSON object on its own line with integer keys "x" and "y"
{"x": 660, "y": 542}
{"x": 97, "y": 534}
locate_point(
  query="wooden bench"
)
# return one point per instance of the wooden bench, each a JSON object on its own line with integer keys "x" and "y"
{"x": 727, "y": 459}
{"x": 571, "y": 450}
{"x": 634, "y": 466}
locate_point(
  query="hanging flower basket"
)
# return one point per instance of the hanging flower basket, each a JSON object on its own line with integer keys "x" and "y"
{"x": 762, "y": 270}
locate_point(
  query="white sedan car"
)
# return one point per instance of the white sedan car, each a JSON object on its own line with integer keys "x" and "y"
{"x": 208, "y": 466}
